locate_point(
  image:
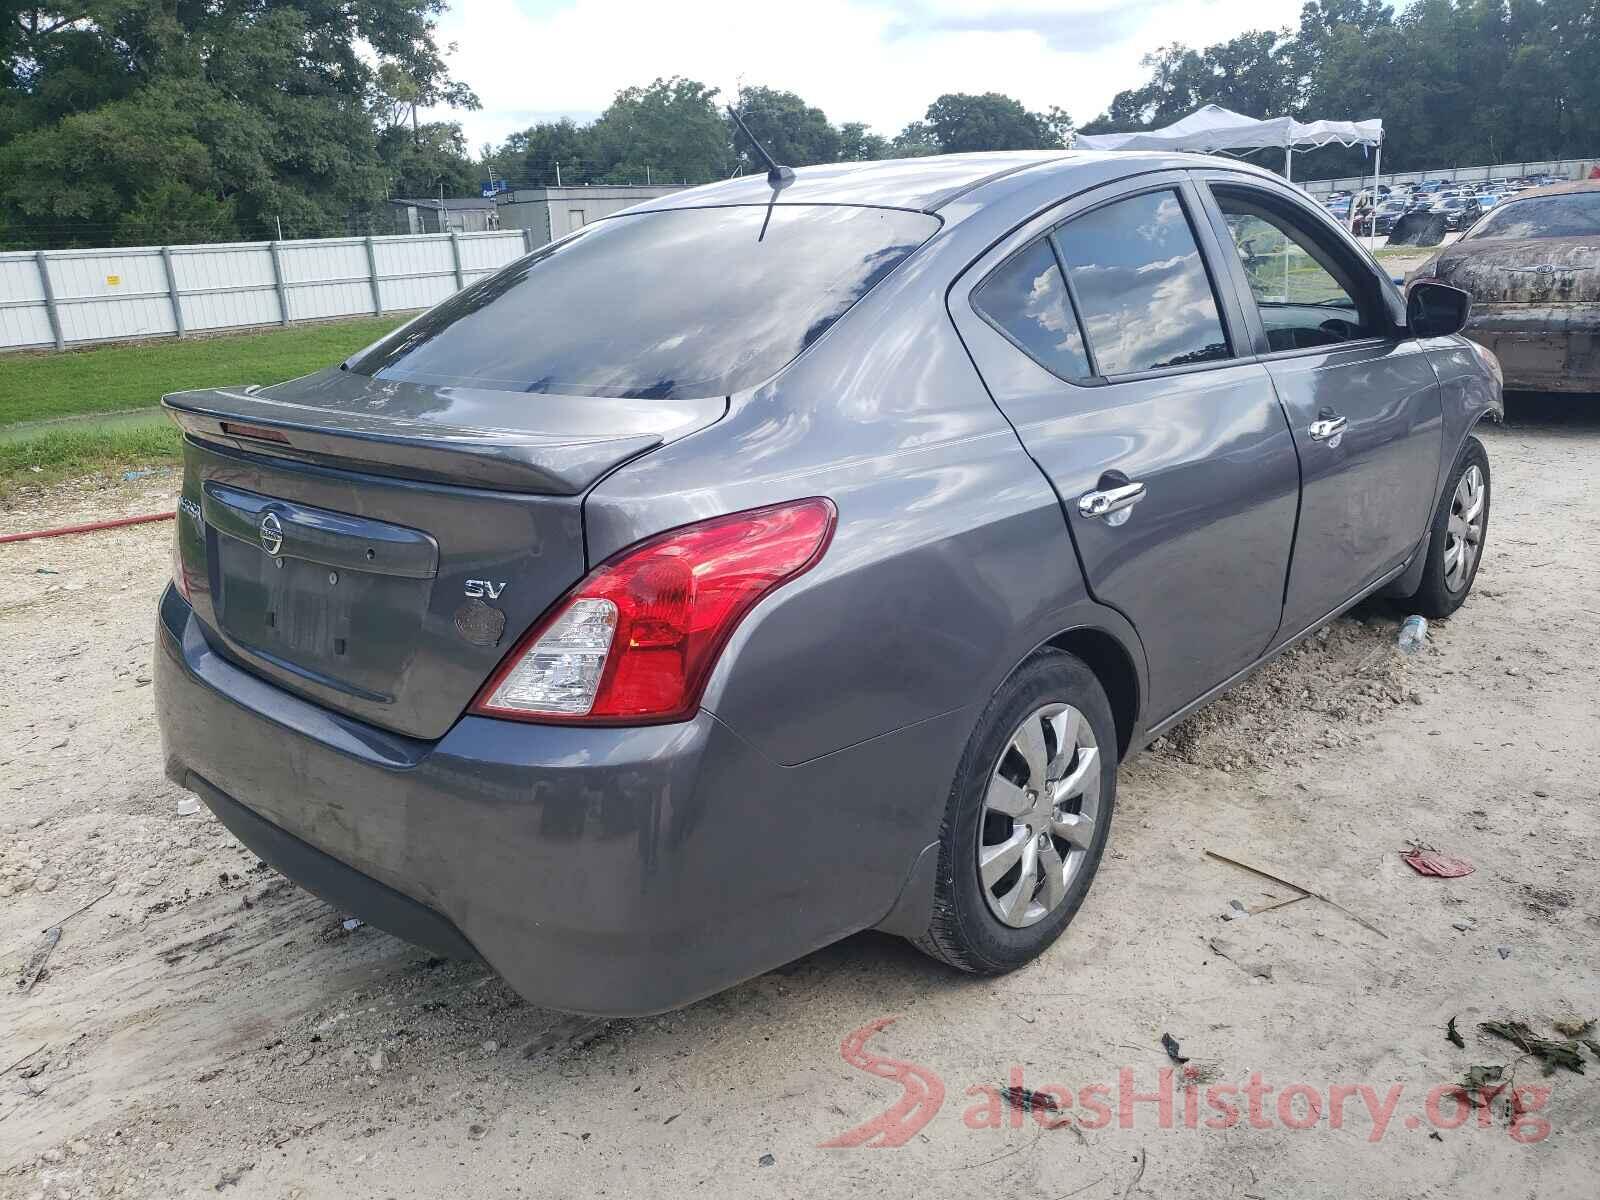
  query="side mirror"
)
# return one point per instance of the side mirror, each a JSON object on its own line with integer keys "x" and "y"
{"x": 1436, "y": 309}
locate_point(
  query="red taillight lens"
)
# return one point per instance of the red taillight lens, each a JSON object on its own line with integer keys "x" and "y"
{"x": 635, "y": 641}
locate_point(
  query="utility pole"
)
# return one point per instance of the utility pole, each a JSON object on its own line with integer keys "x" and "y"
{"x": 558, "y": 174}
{"x": 279, "y": 222}
{"x": 647, "y": 174}
{"x": 443, "y": 223}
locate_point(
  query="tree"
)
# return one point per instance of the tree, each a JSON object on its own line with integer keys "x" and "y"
{"x": 794, "y": 132}
{"x": 961, "y": 122}
{"x": 530, "y": 158}
{"x": 270, "y": 109}
{"x": 916, "y": 140}
{"x": 857, "y": 143}
{"x": 671, "y": 130}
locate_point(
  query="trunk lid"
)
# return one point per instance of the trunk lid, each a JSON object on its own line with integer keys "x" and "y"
{"x": 1542, "y": 271}
{"x": 376, "y": 546}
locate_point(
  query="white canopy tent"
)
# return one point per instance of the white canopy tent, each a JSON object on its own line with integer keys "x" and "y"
{"x": 1212, "y": 128}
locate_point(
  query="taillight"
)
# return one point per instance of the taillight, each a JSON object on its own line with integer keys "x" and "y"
{"x": 634, "y": 642}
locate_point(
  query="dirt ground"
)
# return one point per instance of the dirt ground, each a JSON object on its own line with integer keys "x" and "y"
{"x": 204, "y": 1026}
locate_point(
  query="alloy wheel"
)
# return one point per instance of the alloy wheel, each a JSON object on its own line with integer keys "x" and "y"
{"x": 1463, "y": 539}
{"x": 1039, "y": 815}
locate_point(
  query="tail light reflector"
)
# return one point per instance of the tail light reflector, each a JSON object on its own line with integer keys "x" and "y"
{"x": 635, "y": 640}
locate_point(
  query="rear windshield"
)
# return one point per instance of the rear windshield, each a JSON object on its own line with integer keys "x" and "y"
{"x": 1574, "y": 215}
{"x": 677, "y": 304}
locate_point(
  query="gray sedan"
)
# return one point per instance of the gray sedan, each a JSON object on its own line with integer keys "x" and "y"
{"x": 801, "y": 555}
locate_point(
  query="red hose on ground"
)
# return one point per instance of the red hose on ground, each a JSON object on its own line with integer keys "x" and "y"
{"x": 89, "y": 528}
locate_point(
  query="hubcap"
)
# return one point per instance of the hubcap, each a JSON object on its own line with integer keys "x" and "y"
{"x": 1039, "y": 815}
{"x": 1463, "y": 539}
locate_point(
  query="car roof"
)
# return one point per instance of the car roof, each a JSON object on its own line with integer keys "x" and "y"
{"x": 924, "y": 184}
{"x": 931, "y": 183}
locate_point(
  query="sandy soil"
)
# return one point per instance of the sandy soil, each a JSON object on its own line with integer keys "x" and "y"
{"x": 205, "y": 1026}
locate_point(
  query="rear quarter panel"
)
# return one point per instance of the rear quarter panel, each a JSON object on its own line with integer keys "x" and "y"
{"x": 950, "y": 563}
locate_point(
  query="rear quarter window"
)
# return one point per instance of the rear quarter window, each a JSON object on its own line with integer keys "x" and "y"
{"x": 674, "y": 304}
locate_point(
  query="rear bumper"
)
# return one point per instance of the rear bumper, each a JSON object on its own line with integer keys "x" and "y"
{"x": 601, "y": 870}
{"x": 1542, "y": 348}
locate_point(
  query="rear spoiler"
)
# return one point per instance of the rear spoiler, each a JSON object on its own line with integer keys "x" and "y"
{"x": 380, "y": 444}
{"x": 518, "y": 462}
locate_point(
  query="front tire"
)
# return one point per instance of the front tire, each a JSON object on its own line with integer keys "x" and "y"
{"x": 1460, "y": 529}
{"x": 1027, "y": 818}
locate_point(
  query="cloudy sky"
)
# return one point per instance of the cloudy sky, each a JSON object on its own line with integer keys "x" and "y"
{"x": 877, "y": 61}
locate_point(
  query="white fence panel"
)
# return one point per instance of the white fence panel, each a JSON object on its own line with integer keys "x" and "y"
{"x": 64, "y": 297}
{"x": 24, "y": 320}
{"x": 222, "y": 287}
{"x": 101, "y": 295}
{"x": 414, "y": 272}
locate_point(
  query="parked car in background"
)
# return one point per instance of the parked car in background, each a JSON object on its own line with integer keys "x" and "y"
{"x": 821, "y": 585}
{"x": 1388, "y": 213}
{"x": 1458, "y": 211}
{"x": 1532, "y": 265}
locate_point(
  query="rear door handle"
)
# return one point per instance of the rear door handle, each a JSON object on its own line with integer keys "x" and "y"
{"x": 1328, "y": 429}
{"x": 1111, "y": 503}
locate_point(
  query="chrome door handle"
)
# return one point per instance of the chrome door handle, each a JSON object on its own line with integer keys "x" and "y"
{"x": 1329, "y": 429}
{"x": 1112, "y": 503}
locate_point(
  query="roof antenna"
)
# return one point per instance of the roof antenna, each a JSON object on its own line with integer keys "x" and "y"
{"x": 777, "y": 174}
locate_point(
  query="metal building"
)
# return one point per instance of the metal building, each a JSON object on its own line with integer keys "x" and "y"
{"x": 459, "y": 214}
{"x": 551, "y": 213}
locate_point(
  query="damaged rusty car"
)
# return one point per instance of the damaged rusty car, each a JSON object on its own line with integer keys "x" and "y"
{"x": 1532, "y": 266}
{"x": 800, "y": 555}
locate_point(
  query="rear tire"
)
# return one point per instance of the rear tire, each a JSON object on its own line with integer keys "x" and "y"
{"x": 1458, "y": 534}
{"x": 1033, "y": 810}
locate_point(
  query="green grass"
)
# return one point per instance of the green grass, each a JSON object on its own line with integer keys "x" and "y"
{"x": 35, "y": 387}
{"x": 61, "y": 453}
{"x": 111, "y": 379}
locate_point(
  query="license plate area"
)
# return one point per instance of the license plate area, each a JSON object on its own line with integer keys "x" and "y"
{"x": 340, "y": 603}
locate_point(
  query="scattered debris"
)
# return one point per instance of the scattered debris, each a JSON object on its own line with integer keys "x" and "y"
{"x": 41, "y": 955}
{"x": 1236, "y": 911}
{"x": 1137, "y": 1175}
{"x": 351, "y": 924}
{"x": 1465, "y": 926}
{"x": 1027, "y": 1100}
{"x": 1504, "y": 951}
{"x": 766, "y": 1160}
{"x": 1480, "y": 1084}
{"x": 23, "y": 1059}
{"x": 1436, "y": 1135}
{"x": 1425, "y": 860}
{"x": 1573, "y": 1028}
{"x": 1170, "y": 1045}
{"x": 378, "y": 1063}
{"x": 1226, "y": 949}
{"x": 188, "y": 806}
{"x": 1304, "y": 891}
{"x": 1453, "y": 1035}
{"x": 1413, "y": 634}
{"x": 230, "y": 1176}
{"x": 1549, "y": 1051}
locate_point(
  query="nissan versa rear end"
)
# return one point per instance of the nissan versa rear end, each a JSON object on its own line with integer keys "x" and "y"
{"x": 791, "y": 557}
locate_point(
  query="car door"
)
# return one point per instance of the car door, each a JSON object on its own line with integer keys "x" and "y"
{"x": 1362, "y": 399}
{"x": 1100, "y": 333}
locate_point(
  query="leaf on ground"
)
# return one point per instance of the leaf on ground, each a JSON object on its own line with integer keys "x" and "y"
{"x": 1550, "y": 1052}
{"x": 1453, "y": 1035}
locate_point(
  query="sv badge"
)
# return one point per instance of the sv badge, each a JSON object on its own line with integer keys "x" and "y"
{"x": 479, "y": 588}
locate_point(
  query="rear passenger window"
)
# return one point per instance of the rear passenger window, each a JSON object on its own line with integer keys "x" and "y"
{"x": 1026, "y": 299}
{"x": 1141, "y": 287}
